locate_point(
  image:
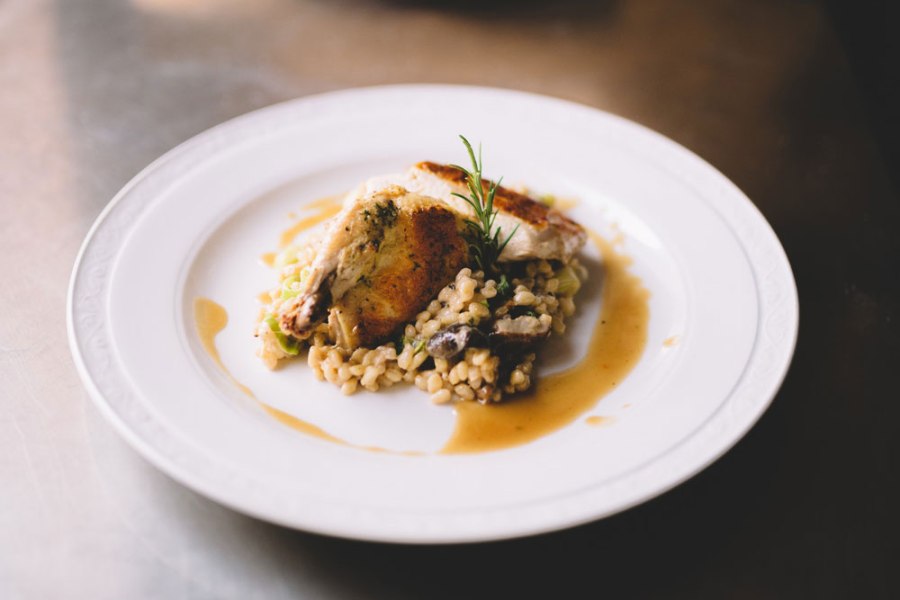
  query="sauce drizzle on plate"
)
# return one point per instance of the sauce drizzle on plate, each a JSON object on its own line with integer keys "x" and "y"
{"x": 211, "y": 318}
{"x": 325, "y": 209}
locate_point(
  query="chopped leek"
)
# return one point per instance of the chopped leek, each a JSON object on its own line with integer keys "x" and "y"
{"x": 288, "y": 344}
{"x": 568, "y": 282}
{"x": 288, "y": 290}
{"x": 416, "y": 344}
{"x": 286, "y": 257}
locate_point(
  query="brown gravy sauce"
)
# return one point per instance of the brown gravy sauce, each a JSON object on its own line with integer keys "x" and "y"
{"x": 616, "y": 346}
{"x": 310, "y": 429}
{"x": 211, "y": 318}
{"x": 300, "y": 425}
{"x": 324, "y": 208}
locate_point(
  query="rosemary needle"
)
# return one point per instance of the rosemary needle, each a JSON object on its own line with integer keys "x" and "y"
{"x": 485, "y": 241}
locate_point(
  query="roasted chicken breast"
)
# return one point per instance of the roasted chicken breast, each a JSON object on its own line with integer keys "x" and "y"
{"x": 383, "y": 256}
{"x": 399, "y": 240}
{"x": 543, "y": 232}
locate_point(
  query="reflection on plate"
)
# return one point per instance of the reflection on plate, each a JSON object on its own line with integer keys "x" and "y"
{"x": 721, "y": 331}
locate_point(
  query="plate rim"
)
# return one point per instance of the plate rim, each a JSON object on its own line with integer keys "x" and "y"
{"x": 664, "y": 145}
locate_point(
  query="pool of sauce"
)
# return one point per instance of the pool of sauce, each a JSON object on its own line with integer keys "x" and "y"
{"x": 555, "y": 401}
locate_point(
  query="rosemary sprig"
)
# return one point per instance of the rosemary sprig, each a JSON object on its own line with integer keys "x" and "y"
{"x": 484, "y": 239}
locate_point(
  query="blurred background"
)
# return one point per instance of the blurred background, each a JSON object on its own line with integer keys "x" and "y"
{"x": 794, "y": 100}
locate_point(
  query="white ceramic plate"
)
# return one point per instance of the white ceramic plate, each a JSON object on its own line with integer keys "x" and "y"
{"x": 195, "y": 222}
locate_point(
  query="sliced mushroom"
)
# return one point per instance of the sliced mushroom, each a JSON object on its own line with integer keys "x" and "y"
{"x": 452, "y": 340}
{"x": 519, "y": 332}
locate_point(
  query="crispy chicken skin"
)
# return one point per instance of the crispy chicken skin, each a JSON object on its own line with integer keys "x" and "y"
{"x": 543, "y": 232}
{"x": 386, "y": 255}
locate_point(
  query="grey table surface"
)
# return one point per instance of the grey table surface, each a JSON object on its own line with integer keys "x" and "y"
{"x": 93, "y": 90}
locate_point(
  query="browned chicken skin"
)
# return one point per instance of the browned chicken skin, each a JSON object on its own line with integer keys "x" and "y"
{"x": 543, "y": 232}
{"x": 506, "y": 201}
{"x": 385, "y": 256}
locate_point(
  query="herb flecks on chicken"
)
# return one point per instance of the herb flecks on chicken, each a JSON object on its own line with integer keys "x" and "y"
{"x": 384, "y": 255}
